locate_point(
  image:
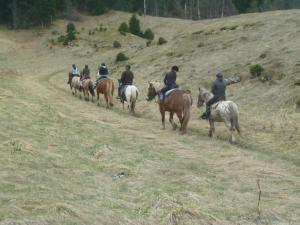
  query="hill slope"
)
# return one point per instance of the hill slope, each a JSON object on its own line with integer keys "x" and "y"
{"x": 58, "y": 153}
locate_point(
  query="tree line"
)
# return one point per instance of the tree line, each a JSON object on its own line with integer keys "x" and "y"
{"x": 26, "y": 13}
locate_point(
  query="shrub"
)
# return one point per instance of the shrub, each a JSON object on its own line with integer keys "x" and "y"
{"x": 134, "y": 26}
{"x": 256, "y": 70}
{"x": 55, "y": 32}
{"x": 121, "y": 57}
{"x": 71, "y": 34}
{"x": 148, "y": 43}
{"x": 61, "y": 38}
{"x": 148, "y": 34}
{"x": 123, "y": 28}
{"x": 297, "y": 82}
{"x": 161, "y": 41}
{"x": 263, "y": 55}
{"x": 297, "y": 101}
{"x": 116, "y": 44}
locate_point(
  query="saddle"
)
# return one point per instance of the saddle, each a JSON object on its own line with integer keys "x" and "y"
{"x": 170, "y": 92}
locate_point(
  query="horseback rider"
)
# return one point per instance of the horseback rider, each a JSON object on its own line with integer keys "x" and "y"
{"x": 85, "y": 74}
{"x": 219, "y": 91}
{"x": 74, "y": 72}
{"x": 126, "y": 79}
{"x": 102, "y": 73}
{"x": 169, "y": 81}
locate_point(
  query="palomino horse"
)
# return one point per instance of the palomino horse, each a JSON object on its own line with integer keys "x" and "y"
{"x": 179, "y": 102}
{"x": 88, "y": 87}
{"x": 130, "y": 96}
{"x": 75, "y": 85}
{"x": 222, "y": 111}
{"x": 106, "y": 86}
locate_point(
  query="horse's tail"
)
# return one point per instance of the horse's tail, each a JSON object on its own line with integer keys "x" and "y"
{"x": 234, "y": 119}
{"x": 112, "y": 88}
{"x": 91, "y": 88}
{"x": 187, "y": 102}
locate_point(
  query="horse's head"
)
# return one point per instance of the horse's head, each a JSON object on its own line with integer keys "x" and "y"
{"x": 202, "y": 97}
{"x": 151, "y": 92}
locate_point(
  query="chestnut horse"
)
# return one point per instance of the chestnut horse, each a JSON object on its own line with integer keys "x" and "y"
{"x": 88, "y": 87}
{"x": 222, "y": 111}
{"x": 178, "y": 101}
{"x": 106, "y": 86}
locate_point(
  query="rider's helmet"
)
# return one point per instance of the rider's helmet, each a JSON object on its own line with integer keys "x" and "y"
{"x": 175, "y": 68}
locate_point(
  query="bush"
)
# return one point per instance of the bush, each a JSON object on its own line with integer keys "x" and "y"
{"x": 134, "y": 26}
{"x": 71, "y": 34}
{"x": 297, "y": 101}
{"x": 116, "y": 44}
{"x": 297, "y": 82}
{"x": 148, "y": 43}
{"x": 123, "y": 28}
{"x": 121, "y": 57}
{"x": 161, "y": 41}
{"x": 148, "y": 34}
{"x": 256, "y": 70}
{"x": 61, "y": 39}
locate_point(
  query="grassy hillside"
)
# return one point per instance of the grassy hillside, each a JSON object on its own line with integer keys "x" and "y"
{"x": 58, "y": 153}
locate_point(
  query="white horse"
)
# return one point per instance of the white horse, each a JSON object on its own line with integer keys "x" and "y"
{"x": 131, "y": 95}
{"x": 222, "y": 111}
{"x": 75, "y": 85}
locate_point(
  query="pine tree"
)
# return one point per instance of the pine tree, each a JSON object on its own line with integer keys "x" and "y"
{"x": 134, "y": 26}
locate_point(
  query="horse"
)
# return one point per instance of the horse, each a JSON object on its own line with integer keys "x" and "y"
{"x": 222, "y": 111}
{"x": 178, "y": 101}
{"x": 75, "y": 85}
{"x": 130, "y": 96}
{"x": 106, "y": 86}
{"x": 88, "y": 87}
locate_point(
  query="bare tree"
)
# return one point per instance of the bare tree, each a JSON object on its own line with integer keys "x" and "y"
{"x": 223, "y": 5}
{"x": 14, "y": 10}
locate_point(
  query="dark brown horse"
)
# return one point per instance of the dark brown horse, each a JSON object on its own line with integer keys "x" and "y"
{"x": 178, "y": 102}
{"x": 106, "y": 86}
{"x": 88, "y": 88}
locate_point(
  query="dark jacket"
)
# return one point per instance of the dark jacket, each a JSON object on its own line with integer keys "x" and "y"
{"x": 86, "y": 73}
{"x": 103, "y": 71}
{"x": 170, "y": 79}
{"x": 219, "y": 88}
{"x": 127, "y": 77}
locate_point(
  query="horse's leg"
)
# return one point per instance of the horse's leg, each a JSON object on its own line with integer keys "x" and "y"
{"x": 211, "y": 128}
{"x": 88, "y": 95}
{"x": 163, "y": 114}
{"x": 98, "y": 99}
{"x": 231, "y": 129}
{"x": 172, "y": 121}
{"x": 106, "y": 99}
{"x": 180, "y": 117}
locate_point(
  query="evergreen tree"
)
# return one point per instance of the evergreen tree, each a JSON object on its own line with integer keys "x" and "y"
{"x": 134, "y": 26}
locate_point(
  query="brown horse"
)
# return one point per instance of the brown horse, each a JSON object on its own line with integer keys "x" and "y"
{"x": 88, "y": 88}
{"x": 106, "y": 86}
{"x": 178, "y": 102}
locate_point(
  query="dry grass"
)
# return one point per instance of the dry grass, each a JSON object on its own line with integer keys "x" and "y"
{"x": 58, "y": 153}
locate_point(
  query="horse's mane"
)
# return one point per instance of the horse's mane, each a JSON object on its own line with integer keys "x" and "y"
{"x": 156, "y": 85}
{"x": 206, "y": 94}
